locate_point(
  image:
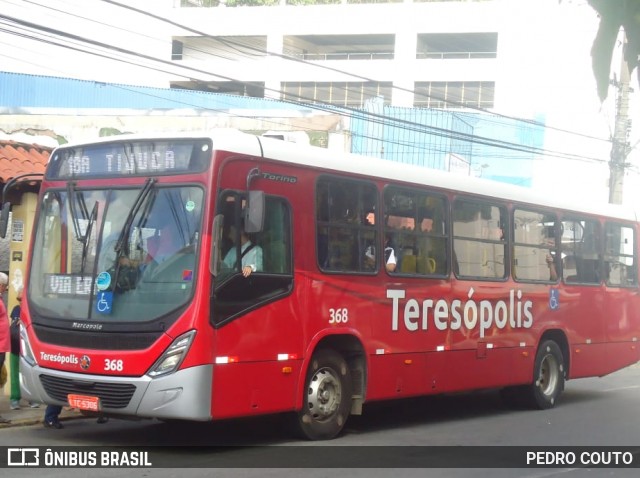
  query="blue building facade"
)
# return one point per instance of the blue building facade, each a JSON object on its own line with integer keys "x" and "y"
{"x": 480, "y": 143}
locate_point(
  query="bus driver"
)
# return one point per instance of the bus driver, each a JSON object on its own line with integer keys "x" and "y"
{"x": 251, "y": 253}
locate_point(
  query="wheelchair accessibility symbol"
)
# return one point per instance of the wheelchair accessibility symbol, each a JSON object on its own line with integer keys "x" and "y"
{"x": 104, "y": 301}
{"x": 554, "y": 299}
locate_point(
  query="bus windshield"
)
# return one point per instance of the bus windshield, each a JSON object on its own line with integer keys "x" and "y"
{"x": 116, "y": 255}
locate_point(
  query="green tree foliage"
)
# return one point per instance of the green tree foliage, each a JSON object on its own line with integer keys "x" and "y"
{"x": 614, "y": 14}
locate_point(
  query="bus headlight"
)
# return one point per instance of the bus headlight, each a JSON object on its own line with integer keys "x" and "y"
{"x": 25, "y": 347}
{"x": 171, "y": 359}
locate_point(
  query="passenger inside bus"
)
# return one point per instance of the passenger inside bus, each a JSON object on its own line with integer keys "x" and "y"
{"x": 163, "y": 244}
{"x": 150, "y": 257}
{"x": 390, "y": 259}
{"x": 553, "y": 273}
{"x": 569, "y": 269}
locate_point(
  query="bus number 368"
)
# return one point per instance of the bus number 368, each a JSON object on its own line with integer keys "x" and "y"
{"x": 113, "y": 365}
{"x": 338, "y": 316}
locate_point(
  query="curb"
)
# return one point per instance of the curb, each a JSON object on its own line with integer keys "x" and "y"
{"x": 24, "y": 422}
{"x": 25, "y": 415}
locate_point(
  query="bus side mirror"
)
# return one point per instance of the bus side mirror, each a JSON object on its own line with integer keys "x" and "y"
{"x": 254, "y": 212}
{"x": 4, "y": 219}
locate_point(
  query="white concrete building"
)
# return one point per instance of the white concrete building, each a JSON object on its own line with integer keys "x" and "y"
{"x": 524, "y": 58}
{"x": 521, "y": 56}
{"x": 528, "y": 59}
{"x": 412, "y": 54}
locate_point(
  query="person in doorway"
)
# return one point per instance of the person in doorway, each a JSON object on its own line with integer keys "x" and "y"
{"x": 251, "y": 254}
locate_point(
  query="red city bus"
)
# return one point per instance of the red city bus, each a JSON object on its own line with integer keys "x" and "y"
{"x": 209, "y": 277}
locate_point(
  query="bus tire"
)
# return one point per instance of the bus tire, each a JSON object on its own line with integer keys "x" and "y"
{"x": 548, "y": 376}
{"x": 326, "y": 402}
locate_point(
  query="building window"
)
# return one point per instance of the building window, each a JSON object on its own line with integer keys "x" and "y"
{"x": 457, "y": 46}
{"x": 454, "y": 94}
{"x": 351, "y": 47}
{"x": 350, "y": 94}
{"x": 176, "y": 50}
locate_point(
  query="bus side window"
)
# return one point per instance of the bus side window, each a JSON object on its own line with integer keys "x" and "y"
{"x": 620, "y": 260}
{"x": 274, "y": 240}
{"x": 345, "y": 234}
{"x": 235, "y": 293}
{"x": 416, "y": 223}
{"x": 479, "y": 240}
{"x": 581, "y": 251}
{"x": 535, "y": 256}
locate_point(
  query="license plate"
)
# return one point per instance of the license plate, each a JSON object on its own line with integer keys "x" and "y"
{"x": 84, "y": 402}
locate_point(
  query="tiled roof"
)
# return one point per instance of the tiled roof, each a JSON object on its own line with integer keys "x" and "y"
{"x": 20, "y": 158}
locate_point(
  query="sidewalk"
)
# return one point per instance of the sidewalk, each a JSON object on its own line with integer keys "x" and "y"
{"x": 28, "y": 416}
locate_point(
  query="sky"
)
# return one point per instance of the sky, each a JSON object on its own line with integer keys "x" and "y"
{"x": 34, "y": 52}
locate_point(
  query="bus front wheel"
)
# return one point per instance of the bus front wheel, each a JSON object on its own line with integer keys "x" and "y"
{"x": 327, "y": 396}
{"x": 548, "y": 376}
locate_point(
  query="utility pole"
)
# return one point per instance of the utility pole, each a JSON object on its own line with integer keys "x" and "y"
{"x": 620, "y": 143}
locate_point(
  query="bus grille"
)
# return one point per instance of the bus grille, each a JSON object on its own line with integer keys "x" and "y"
{"x": 112, "y": 395}
{"x": 96, "y": 341}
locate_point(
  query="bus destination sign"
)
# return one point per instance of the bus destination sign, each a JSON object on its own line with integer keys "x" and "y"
{"x": 125, "y": 158}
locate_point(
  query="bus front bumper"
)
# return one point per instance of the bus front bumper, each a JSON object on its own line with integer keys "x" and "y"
{"x": 182, "y": 395}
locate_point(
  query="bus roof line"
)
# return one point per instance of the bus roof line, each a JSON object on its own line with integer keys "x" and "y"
{"x": 225, "y": 139}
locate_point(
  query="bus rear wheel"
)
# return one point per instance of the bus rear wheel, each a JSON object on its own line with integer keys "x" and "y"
{"x": 327, "y": 396}
{"x": 548, "y": 376}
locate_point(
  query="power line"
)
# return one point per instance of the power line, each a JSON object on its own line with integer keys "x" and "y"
{"x": 261, "y": 52}
{"x": 325, "y": 67}
{"x": 453, "y": 135}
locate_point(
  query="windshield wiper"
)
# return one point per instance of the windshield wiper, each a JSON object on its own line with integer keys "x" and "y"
{"x": 87, "y": 235}
{"x": 119, "y": 248}
{"x": 73, "y": 196}
{"x": 138, "y": 203}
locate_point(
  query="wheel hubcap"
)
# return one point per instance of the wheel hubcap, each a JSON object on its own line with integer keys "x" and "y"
{"x": 549, "y": 375}
{"x": 324, "y": 394}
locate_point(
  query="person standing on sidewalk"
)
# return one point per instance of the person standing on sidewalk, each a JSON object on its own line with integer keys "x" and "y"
{"x": 51, "y": 417}
{"x": 14, "y": 356}
{"x": 5, "y": 342}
